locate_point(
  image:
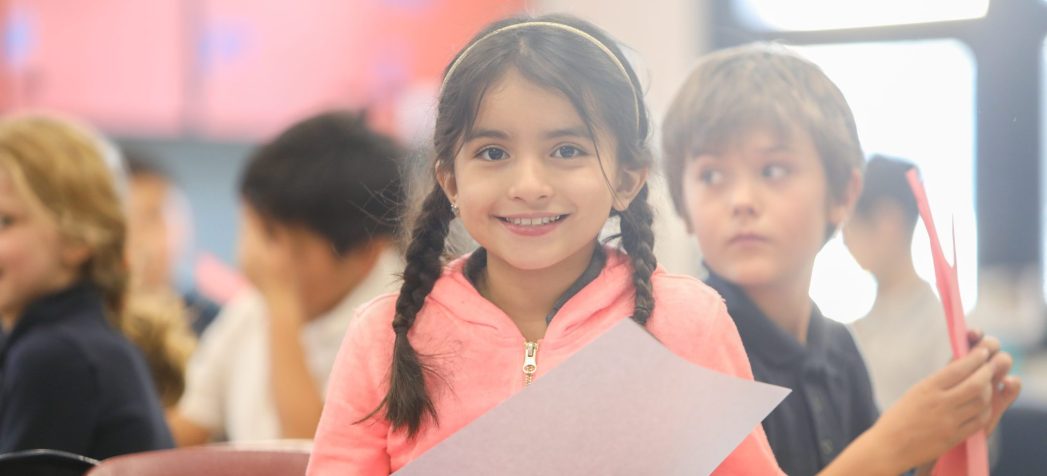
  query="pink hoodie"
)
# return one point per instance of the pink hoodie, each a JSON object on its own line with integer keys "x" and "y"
{"x": 478, "y": 352}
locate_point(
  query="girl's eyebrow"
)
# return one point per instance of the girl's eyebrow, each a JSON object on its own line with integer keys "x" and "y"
{"x": 486, "y": 134}
{"x": 577, "y": 131}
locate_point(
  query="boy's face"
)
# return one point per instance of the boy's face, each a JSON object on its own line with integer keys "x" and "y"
{"x": 861, "y": 235}
{"x": 761, "y": 208}
{"x": 878, "y": 239}
{"x": 280, "y": 258}
{"x": 147, "y": 238}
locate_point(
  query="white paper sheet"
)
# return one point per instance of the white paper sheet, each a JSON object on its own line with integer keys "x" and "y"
{"x": 623, "y": 405}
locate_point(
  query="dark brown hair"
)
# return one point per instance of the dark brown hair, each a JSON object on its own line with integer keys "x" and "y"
{"x": 604, "y": 96}
{"x": 332, "y": 174}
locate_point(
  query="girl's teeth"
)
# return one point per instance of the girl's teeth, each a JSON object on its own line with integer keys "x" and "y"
{"x": 534, "y": 221}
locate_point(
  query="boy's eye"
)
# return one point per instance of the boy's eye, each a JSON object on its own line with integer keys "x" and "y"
{"x": 492, "y": 153}
{"x": 567, "y": 152}
{"x": 775, "y": 171}
{"x": 710, "y": 176}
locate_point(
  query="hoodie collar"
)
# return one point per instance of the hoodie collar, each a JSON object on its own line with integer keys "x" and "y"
{"x": 456, "y": 294}
{"x": 477, "y": 262}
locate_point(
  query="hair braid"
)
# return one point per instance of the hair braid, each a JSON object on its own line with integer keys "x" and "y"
{"x": 638, "y": 240}
{"x": 407, "y": 402}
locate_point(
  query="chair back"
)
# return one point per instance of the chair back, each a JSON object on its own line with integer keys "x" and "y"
{"x": 206, "y": 461}
{"x": 45, "y": 463}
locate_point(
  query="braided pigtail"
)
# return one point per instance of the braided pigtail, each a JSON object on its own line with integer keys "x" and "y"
{"x": 638, "y": 241}
{"x": 408, "y": 402}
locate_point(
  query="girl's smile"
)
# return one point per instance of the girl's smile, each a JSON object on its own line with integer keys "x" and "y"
{"x": 532, "y": 224}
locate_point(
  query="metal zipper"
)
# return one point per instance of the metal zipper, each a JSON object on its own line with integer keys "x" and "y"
{"x": 530, "y": 365}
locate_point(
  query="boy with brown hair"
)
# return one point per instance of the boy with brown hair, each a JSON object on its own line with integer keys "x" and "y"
{"x": 765, "y": 165}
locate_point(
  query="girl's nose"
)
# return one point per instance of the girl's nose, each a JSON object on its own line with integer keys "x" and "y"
{"x": 530, "y": 180}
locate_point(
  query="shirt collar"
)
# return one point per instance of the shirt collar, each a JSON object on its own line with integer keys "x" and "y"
{"x": 762, "y": 336}
{"x": 383, "y": 278}
{"x": 67, "y": 304}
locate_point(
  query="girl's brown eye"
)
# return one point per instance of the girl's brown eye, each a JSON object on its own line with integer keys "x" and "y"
{"x": 567, "y": 152}
{"x": 491, "y": 153}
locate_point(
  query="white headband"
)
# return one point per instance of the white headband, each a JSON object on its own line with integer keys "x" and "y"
{"x": 568, "y": 28}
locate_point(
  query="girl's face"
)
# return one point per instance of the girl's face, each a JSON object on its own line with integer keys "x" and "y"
{"x": 528, "y": 182}
{"x": 34, "y": 261}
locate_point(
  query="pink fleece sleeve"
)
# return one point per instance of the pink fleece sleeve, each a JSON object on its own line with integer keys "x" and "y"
{"x": 356, "y": 387}
{"x": 692, "y": 321}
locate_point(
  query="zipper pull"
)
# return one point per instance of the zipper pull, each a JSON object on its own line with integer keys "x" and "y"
{"x": 530, "y": 365}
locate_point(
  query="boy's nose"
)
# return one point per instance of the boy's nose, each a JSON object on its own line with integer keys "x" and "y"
{"x": 744, "y": 198}
{"x": 530, "y": 181}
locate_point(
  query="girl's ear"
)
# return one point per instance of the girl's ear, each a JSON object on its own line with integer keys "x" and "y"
{"x": 445, "y": 177}
{"x": 630, "y": 181}
{"x": 840, "y": 210}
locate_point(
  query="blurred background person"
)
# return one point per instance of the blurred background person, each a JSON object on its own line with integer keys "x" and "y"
{"x": 903, "y": 338}
{"x": 69, "y": 380}
{"x": 319, "y": 214}
{"x": 160, "y": 226}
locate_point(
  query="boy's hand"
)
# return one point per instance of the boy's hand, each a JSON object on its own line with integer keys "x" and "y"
{"x": 266, "y": 257}
{"x": 1007, "y": 387}
{"x": 950, "y": 405}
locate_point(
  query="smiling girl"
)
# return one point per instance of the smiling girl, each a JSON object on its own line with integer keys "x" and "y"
{"x": 541, "y": 136}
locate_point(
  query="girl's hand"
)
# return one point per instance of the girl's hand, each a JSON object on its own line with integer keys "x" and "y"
{"x": 948, "y": 406}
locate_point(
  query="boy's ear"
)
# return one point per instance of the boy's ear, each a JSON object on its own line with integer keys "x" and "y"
{"x": 630, "y": 181}
{"x": 841, "y": 209}
{"x": 75, "y": 253}
{"x": 445, "y": 177}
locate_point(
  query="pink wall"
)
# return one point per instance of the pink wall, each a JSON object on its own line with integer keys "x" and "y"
{"x": 229, "y": 68}
{"x": 119, "y": 63}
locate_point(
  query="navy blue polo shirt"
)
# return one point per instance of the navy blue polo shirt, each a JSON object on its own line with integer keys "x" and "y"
{"x": 69, "y": 381}
{"x": 832, "y": 399}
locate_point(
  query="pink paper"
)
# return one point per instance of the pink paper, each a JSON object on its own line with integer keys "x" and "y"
{"x": 971, "y": 457}
{"x": 624, "y": 405}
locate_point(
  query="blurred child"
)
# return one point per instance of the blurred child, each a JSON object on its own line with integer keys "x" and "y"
{"x": 320, "y": 204}
{"x": 904, "y": 337}
{"x": 158, "y": 317}
{"x": 159, "y": 226}
{"x": 69, "y": 379}
{"x": 541, "y": 136}
{"x": 764, "y": 164}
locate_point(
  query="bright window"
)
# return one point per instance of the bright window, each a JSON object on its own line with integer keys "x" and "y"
{"x": 913, "y": 100}
{"x": 809, "y": 15}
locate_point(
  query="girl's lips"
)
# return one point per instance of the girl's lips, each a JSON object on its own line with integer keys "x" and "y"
{"x": 746, "y": 239}
{"x": 532, "y": 225}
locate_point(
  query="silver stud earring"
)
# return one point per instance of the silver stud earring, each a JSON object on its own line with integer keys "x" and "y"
{"x": 454, "y": 209}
